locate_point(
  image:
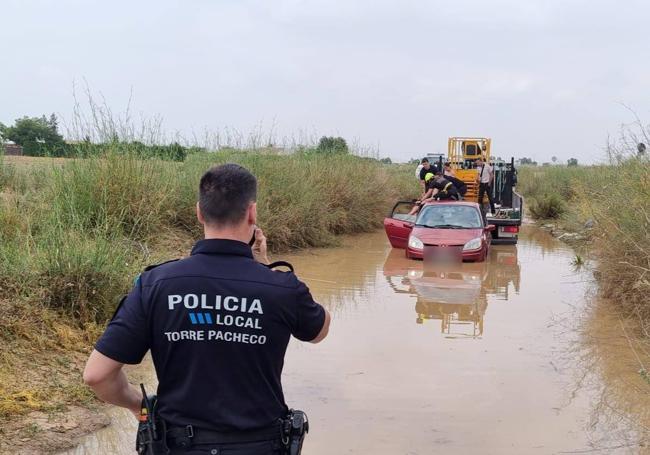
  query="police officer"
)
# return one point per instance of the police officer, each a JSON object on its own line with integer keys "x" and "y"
{"x": 217, "y": 324}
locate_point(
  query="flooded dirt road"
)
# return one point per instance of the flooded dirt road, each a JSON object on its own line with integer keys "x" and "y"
{"x": 478, "y": 358}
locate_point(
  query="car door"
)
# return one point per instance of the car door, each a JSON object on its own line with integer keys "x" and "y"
{"x": 398, "y": 224}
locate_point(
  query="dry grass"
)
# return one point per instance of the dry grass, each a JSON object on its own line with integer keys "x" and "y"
{"x": 616, "y": 198}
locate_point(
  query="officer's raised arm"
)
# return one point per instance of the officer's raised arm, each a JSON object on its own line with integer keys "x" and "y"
{"x": 312, "y": 320}
{"x": 324, "y": 331}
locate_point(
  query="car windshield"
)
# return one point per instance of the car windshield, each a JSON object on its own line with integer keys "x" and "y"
{"x": 448, "y": 216}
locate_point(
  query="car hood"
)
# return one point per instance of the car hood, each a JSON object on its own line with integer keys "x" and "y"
{"x": 430, "y": 236}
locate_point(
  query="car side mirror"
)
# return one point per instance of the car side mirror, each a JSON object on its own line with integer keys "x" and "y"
{"x": 490, "y": 227}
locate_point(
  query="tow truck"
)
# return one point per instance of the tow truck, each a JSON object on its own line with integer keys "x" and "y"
{"x": 462, "y": 153}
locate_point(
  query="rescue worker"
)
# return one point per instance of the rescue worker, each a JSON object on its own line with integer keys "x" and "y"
{"x": 443, "y": 188}
{"x": 450, "y": 175}
{"x": 437, "y": 188}
{"x": 485, "y": 177}
{"x": 217, "y": 324}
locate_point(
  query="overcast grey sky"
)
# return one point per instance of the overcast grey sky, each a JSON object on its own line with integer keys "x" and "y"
{"x": 541, "y": 78}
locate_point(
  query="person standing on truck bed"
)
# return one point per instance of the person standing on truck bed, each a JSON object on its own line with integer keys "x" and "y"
{"x": 485, "y": 177}
{"x": 217, "y": 324}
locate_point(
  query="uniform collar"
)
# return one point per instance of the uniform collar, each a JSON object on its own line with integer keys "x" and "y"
{"x": 222, "y": 246}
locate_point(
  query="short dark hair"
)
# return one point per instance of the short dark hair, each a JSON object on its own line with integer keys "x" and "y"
{"x": 424, "y": 160}
{"x": 225, "y": 192}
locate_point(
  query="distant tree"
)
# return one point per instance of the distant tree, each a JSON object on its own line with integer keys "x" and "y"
{"x": 386, "y": 160}
{"x": 528, "y": 161}
{"x": 35, "y": 134}
{"x": 414, "y": 161}
{"x": 554, "y": 159}
{"x": 328, "y": 144}
{"x": 572, "y": 162}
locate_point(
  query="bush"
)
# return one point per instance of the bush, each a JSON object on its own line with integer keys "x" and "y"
{"x": 332, "y": 145}
{"x": 547, "y": 206}
{"x": 82, "y": 276}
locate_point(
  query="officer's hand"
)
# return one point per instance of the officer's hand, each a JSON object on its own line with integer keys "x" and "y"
{"x": 259, "y": 247}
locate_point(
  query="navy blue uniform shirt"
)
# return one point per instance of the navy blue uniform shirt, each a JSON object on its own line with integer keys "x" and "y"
{"x": 217, "y": 324}
{"x": 432, "y": 169}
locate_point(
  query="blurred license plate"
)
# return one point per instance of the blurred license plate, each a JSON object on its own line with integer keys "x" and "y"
{"x": 443, "y": 254}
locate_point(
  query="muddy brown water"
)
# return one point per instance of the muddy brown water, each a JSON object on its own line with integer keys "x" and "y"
{"x": 476, "y": 358}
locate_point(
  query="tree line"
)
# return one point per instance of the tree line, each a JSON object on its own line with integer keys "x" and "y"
{"x": 40, "y": 136}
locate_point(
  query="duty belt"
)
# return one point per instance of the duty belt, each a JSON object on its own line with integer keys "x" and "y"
{"x": 188, "y": 435}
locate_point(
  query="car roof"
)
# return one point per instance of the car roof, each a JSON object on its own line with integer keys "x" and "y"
{"x": 465, "y": 203}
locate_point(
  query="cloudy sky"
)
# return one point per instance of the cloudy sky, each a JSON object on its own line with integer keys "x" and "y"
{"x": 541, "y": 77}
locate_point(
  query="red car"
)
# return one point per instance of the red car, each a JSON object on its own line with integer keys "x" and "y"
{"x": 442, "y": 228}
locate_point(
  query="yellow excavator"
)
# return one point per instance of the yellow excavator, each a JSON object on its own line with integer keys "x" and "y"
{"x": 462, "y": 153}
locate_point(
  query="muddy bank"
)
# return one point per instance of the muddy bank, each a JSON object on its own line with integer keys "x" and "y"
{"x": 487, "y": 358}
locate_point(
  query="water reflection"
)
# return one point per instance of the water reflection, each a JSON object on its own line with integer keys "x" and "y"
{"x": 455, "y": 294}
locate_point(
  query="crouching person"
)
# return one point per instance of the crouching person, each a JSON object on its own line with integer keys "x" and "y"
{"x": 217, "y": 324}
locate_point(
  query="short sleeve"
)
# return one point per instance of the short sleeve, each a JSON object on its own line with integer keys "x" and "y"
{"x": 310, "y": 316}
{"x": 126, "y": 339}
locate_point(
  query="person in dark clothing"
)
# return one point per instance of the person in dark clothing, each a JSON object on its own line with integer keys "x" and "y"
{"x": 437, "y": 188}
{"x": 459, "y": 184}
{"x": 443, "y": 188}
{"x": 426, "y": 169}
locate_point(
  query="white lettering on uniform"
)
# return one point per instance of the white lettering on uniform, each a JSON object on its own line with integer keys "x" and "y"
{"x": 194, "y": 301}
{"x": 173, "y": 300}
{"x": 256, "y": 307}
{"x": 226, "y": 303}
{"x": 204, "y": 303}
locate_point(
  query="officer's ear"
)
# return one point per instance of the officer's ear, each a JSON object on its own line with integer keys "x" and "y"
{"x": 252, "y": 213}
{"x": 199, "y": 215}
